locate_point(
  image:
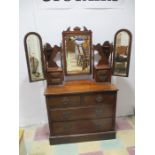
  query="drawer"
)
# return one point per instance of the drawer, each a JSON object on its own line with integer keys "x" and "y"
{"x": 82, "y": 126}
{"x": 54, "y": 81}
{"x": 55, "y": 74}
{"x": 82, "y": 113}
{"x": 99, "y": 98}
{"x": 63, "y": 101}
{"x": 103, "y": 75}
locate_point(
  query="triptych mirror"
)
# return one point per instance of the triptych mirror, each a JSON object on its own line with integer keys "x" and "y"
{"x": 77, "y": 54}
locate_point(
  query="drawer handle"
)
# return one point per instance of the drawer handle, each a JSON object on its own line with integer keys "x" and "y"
{"x": 65, "y": 101}
{"x": 67, "y": 127}
{"x": 66, "y": 115}
{"x": 99, "y": 112}
{"x": 98, "y": 126}
{"x": 99, "y": 98}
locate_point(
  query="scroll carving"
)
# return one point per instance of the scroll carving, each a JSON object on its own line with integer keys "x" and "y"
{"x": 104, "y": 51}
{"x": 50, "y": 54}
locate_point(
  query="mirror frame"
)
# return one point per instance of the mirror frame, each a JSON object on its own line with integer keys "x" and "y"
{"x": 76, "y": 31}
{"x": 27, "y": 55}
{"x": 129, "y": 52}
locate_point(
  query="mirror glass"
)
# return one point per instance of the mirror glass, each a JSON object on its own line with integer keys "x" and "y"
{"x": 77, "y": 54}
{"x": 122, "y": 53}
{"x": 34, "y": 60}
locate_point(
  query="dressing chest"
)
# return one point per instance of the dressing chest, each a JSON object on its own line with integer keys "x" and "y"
{"x": 81, "y": 111}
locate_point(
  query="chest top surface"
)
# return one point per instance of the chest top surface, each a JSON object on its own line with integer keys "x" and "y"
{"x": 82, "y": 86}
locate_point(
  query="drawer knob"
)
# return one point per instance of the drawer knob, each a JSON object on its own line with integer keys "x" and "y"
{"x": 67, "y": 127}
{"x": 98, "y": 126}
{"x": 66, "y": 115}
{"x": 65, "y": 101}
{"x": 99, "y": 98}
{"x": 99, "y": 112}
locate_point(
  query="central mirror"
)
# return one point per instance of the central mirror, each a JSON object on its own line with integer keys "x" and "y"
{"x": 77, "y": 51}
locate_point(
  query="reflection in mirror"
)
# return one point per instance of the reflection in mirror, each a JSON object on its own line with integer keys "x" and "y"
{"x": 33, "y": 47}
{"x": 122, "y": 53}
{"x": 77, "y": 51}
{"x": 97, "y": 57}
{"x": 57, "y": 59}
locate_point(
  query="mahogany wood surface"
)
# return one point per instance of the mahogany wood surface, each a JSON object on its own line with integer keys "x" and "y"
{"x": 81, "y": 111}
{"x": 102, "y": 71}
{"x": 81, "y": 126}
{"x": 82, "y": 137}
{"x": 79, "y": 87}
{"x": 99, "y": 98}
{"x": 102, "y": 74}
{"x": 54, "y": 77}
{"x": 63, "y": 101}
{"x": 53, "y": 73}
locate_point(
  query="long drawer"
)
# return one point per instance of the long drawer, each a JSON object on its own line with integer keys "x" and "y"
{"x": 82, "y": 126}
{"x": 63, "y": 101}
{"x": 82, "y": 113}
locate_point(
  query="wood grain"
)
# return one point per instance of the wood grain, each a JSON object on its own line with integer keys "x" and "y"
{"x": 83, "y": 110}
{"x": 79, "y": 87}
{"x": 81, "y": 113}
{"x": 81, "y": 126}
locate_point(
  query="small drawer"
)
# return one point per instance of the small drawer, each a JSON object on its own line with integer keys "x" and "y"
{"x": 102, "y": 76}
{"x": 102, "y": 72}
{"x": 63, "y": 101}
{"x": 82, "y": 113}
{"x": 99, "y": 98}
{"x": 55, "y": 74}
{"x": 82, "y": 126}
{"x": 54, "y": 81}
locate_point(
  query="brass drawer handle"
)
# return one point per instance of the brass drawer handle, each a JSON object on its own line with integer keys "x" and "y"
{"x": 98, "y": 126}
{"x": 99, "y": 112}
{"x": 66, "y": 115}
{"x": 65, "y": 101}
{"x": 99, "y": 98}
{"x": 67, "y": 127}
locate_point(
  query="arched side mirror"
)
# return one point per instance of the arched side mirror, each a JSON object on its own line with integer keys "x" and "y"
{"x": 122, "y": 50}
{"x": 33, "y": 51}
